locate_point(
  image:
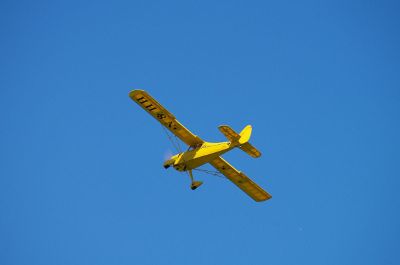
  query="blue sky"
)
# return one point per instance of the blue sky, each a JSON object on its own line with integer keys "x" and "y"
{"x": 81, "y": 176}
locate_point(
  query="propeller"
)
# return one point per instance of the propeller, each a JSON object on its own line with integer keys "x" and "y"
{"x": 167, "y": 154}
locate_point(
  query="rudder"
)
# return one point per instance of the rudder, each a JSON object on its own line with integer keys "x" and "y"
{"x": 245, "y": 134}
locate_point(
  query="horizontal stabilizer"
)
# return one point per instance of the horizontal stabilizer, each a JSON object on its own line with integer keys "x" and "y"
{"x": 229, "y": 133}
{"x": 233, "y": 136}
{"x": 251, "y": 150}
{"x": 241, "y": 140}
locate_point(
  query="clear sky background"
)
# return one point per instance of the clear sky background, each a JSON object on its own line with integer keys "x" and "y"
{"x": 81, "y": 176}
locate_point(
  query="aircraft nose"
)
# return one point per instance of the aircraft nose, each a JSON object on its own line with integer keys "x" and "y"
{"x": 169, "y": 163}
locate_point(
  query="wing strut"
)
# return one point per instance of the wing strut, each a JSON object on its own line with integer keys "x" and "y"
{"x": 173, "y": 140}
{"x": 211, "y": 172}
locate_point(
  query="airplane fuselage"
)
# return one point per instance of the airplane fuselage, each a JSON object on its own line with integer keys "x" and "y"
{"x": 200, "y": 155}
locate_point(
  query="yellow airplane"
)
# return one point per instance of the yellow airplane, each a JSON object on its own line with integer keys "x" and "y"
{"x": 201, "y": 152}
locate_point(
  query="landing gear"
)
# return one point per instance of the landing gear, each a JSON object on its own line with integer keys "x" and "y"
{"x": 195, "y": 184}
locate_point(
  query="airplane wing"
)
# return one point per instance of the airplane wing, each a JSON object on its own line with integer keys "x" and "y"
{"x": 240, "y": 180}
{"x": 166, "y": 118}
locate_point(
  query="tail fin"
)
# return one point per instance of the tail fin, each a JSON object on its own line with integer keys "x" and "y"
{"x": 245, "y": 134}
{"x": 241, "y": 139}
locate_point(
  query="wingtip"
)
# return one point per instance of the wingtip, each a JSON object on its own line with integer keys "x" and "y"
{"x": 135, "y": 91}
{"x": 268, "y": 196}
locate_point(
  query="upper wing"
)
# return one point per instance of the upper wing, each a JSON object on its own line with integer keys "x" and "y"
{"x": 240, "y": 180}
{"x": 164, "y": 117}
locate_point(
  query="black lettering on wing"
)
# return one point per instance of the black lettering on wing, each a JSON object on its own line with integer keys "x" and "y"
{"x": 171, "y": 125}
{"x": 142, "y": 100}
{"x": 161, "y": 116}
{"x": 150, "y": 107}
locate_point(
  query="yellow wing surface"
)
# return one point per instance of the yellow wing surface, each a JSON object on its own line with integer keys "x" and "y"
{"x": 240, "y": 180}
{"x": 155, "y": 109}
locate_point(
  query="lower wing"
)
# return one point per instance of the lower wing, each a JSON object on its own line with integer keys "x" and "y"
{"x": 240, "y": 180}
